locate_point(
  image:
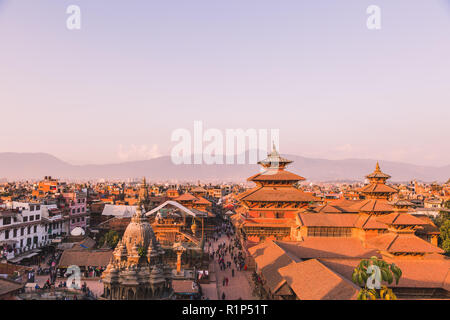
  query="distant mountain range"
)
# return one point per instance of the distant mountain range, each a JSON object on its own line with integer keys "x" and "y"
{"x": 14, "y": 166}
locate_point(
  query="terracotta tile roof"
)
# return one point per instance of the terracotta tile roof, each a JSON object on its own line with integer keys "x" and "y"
{"x": 402, "y": 243}
{"x": 416, "y": 273}
{"x": 318, "y": 247}
{"x": 186, "y": 197}
{"x": 368, "y": 222}
{"x": 275, "y": 175}
{"x": 247, "y": 192}
{"x": 423, "y": 273}
{"x": 328, "y": 219}
{"x": 342, "y": 266}
{"x": 269, "y": 258}
{"x": 189, "y": 197}
{"x": 198, "y": 189}
{"x": 378, "y": 188}
{"x": 344, "y": 203}
{"x": 288, "y": 194}
{"x": 202, "y": 200}
{"x": 9, "y": 286}
{"x": 311, "y": 280}
{"x": 97, "y": 258}
{"x": 9, "y": 268}
{"x": 429, "y": 227}
{"x": 400, "y": 219}
{"x": 373, "y": 205}
{"x": 333, "y": 208}
{"x": 328, "y": 208}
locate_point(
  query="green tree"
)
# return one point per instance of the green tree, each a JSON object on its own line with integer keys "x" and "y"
{"x": 447, "y": 204}
{"x": 388, "y": 272}
{"x": 445, "y": 236}
{"x": 142, "y": 252}
{"x": 111, "y": 238}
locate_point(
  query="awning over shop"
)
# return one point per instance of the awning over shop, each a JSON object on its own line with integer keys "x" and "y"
{"x": 20, "y": 258}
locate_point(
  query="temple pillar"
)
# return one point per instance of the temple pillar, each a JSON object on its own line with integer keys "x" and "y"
{"x": 179, "y": 253}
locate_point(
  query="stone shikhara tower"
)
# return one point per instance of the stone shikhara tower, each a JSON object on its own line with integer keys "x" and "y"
{"x": 136, "y": 270}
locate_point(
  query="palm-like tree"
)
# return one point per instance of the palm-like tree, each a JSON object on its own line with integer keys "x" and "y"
{"x": 370, "y": 273}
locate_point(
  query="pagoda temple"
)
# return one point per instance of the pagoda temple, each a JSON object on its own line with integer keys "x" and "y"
{"x": 367, "y": 218}
{"x": 377, "y": 194}
{"x": 332, "y": 239}
{"x": 269, "y": 208}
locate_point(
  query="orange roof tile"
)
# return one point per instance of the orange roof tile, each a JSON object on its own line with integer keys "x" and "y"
{"x": 344, "y": 203}
{"x": 311, "y": 280}
{"x": 423, "y": 273}
{"x": 332, "y": 208}
{"x": 275, "y": 175}
{"x": 400, "y": 219}
{"x": 429, "y": 227}
{"x": 269, "y": 258}
{"x": 186, "y": 197}
{"x": 318, "y": 247}
{"x": 202, "y": 200}
{"x": 198, "y": 189}
{"x": 415, "y": 273}
{"x": 402, "y": 243}
{"x": 373, "y": 205}
{"x": 378, "y": 188}
{"x": 367, "y": 222}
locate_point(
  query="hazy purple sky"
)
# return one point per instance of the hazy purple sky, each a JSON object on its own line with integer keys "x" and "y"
{"x": 137, "y": 70}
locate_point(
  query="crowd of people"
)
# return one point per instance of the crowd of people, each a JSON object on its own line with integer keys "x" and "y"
{"x": 93, "y": 272}
{"x": 228, "y": 254}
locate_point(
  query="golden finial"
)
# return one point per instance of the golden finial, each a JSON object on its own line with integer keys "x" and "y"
{"x": 377, "y": 168}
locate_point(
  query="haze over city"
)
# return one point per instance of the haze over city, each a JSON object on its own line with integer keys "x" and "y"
{"x": 115, "y": 90}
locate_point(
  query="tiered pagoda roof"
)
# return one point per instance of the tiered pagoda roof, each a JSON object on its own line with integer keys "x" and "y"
{"x": 401, "y": 219}
{"x": 377, "y": 188}
{"x": 274, "y": 160}
{"x": 402, "y": 243}
{"x": 275, "y": 175}
{"x": 373, "y": 206}
{"x": 188, "y": 197}
{"x": 275, "y": 184}
{"x": 377, "y": 174}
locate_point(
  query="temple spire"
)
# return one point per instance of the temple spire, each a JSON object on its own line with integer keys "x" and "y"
{"x": 274, "y": 160}
{"x": 377, "y": 167}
